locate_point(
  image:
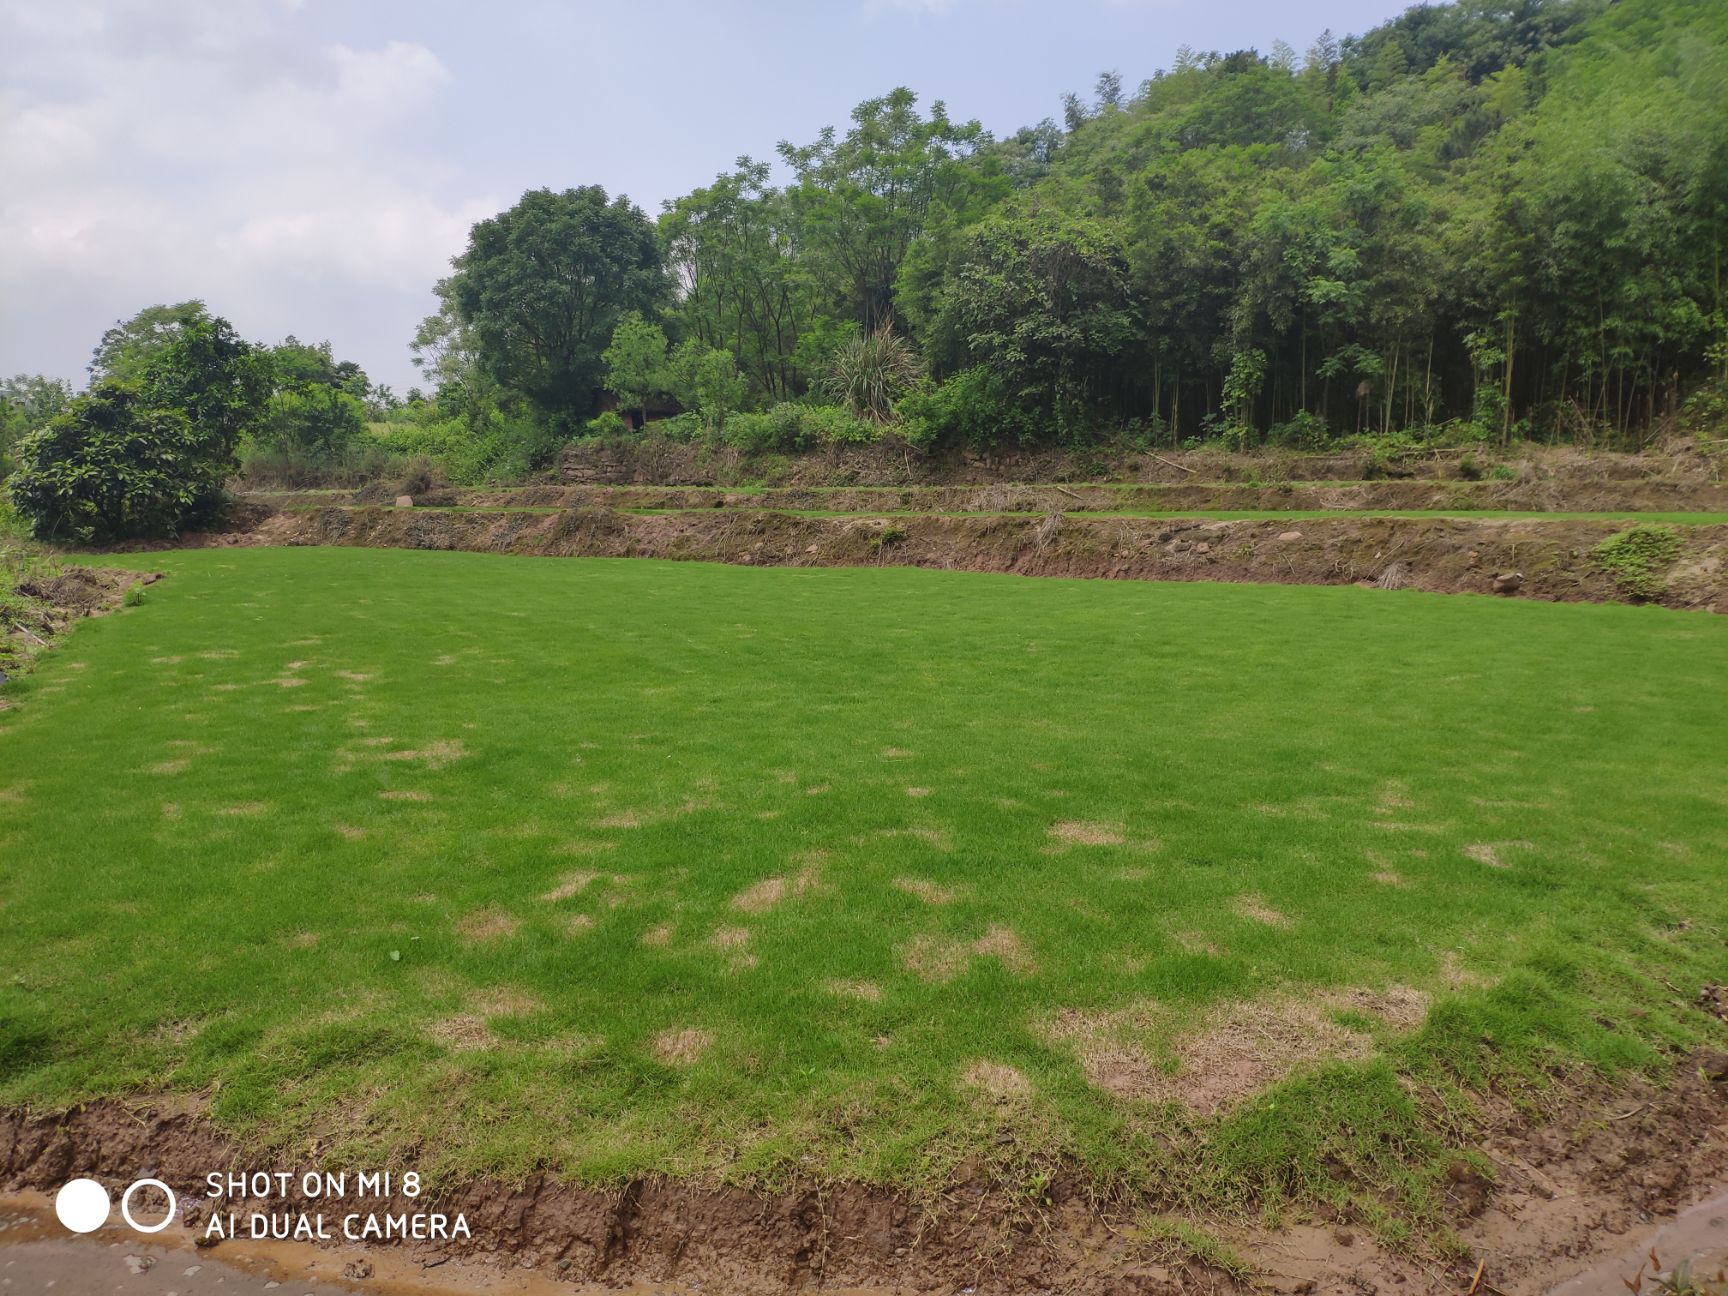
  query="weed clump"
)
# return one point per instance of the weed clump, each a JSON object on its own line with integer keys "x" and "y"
{"x": 1638, "y": 558}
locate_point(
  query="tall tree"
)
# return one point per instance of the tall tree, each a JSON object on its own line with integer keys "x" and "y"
{"x": 541, "y": 288}
{"x": 863, "y": 198}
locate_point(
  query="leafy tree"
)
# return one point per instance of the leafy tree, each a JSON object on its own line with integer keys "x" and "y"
{"x": 145, "y": 455}
{"x": 130, "y": 344}
{"x": 736, "y": 250}
{"x": 706, "y": 380}
{"x": 318, "y": 406}
{"x": 542, "y": 286}
{"x": 862, "y": 199}
{"x": 1043, "y": 300}
{"x": 636, "y": 363}
{"x": 215, "y": 378}
{"x": 27, "y": 402}
{"x": 112, "y": 467}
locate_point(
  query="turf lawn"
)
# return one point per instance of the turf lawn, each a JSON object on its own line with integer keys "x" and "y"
{"x": 620, "y": 865}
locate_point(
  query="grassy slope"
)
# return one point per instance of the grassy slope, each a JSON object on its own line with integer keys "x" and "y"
{"x": 204, "y": 887}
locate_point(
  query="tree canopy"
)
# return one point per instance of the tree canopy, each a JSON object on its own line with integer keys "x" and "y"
{"x": 542, "y": 286}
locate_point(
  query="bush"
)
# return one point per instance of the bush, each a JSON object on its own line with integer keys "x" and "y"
{"x": 1304, "y": 431}
{"x": 1638, "y": 559}
{"x": 609, "y": 423}
{"x": 312, "y": 423}
{"x": 790, "y": 426}
{"x": 869, "y": 372}
{"x": 972, "y": 408}
{"x": 113, "y": 467}
{"x": 487, "y": 447}
{"x": 366, "y": 459}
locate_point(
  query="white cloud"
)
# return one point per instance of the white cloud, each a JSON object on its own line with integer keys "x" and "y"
{"x": 214, "y": 148}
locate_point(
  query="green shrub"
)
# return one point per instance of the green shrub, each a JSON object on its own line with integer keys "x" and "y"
{"x": 869, "y": 372}
{"x": 1638, "y": 559}
{"x": 112, "y": 467}
{"x": 366, "y": 459}
{"x": 609, "y": 423}
{"x": 315, "y": 422}
{"x": 1304, "y": 431}
{"x": 972, "y": 408}
{"x": 490, "y": 447}
{"x": 790, "y": 426}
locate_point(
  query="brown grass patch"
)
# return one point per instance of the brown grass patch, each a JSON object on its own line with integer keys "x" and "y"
{"x": 170, "y": 810}
{"x": 169, "y": 767}
{"x": 895, "y": 753}
{"x": 623, "y": 819}
{"x": 917, "y": 792}
{"x": 584, "y": 847}
{"x": 761, "y": 895}
{"x": 463, "y": 1033}
{"x": 1074, "y": 832}
{"x": 353, "y": 677}
{"x": 244, "y": 808}
{"x": 1397, "y": 1005}
{"x": 501, "y": 1001}
{"x": 288, "y": 681}
{"x": 487, "y": 924}
{"x": 764, "y": 895}
{"x": 1232, "y": 1052}
{"x": 1255, "y": 908}
{"x": 817, "y": 790}
{"x": 658, "y": 937}
{"x": 405, "y": 795}
{"x": 573, "y": 884}
{"x": 935, "y": 958}
{"x": 868, "y": 991}
{"x": 1489, "y": 852}
{"x": 682, "y": 1047}
{"x": 1194, "y": 943}
{"x": 436, "y": 755}
{"x": 349, "y": 832}
{"x": 1001, "y": 1082}
{"x": 929, "y": 892}
{"x": 579, "y": 925}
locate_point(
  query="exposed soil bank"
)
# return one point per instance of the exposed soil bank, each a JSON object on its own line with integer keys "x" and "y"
{"x": 652, "y": 461}
{"x": 1581, "y": 1187}
{"x": 43, "y": 602}
{"x": 1444, "y": 555}
{"x": 1553, "y": 495}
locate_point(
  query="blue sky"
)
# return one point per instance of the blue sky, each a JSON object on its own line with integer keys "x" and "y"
{"x": 310, "y": 166}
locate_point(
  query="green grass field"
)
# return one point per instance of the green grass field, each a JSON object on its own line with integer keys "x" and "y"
{"x": 612, "y": 866}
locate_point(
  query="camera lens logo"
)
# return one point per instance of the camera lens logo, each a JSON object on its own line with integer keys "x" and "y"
{"x": 83, "y": 1206}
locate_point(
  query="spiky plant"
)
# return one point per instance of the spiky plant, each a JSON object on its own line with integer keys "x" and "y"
{"x": 870, "y": 371}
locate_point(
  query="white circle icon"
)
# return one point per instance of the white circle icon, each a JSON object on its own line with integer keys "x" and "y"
{"x": 82, "y": 1205}
{"x": 126, "y": 1206}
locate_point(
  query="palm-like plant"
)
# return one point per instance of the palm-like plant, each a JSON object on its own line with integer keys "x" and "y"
{"x": 870, "y": 371}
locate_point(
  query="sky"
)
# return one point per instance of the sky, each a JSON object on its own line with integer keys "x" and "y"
{"x": 309, "y": 167}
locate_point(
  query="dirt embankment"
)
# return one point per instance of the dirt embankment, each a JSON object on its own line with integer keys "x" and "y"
{"x": 41, "y": 600}
{"x": 652, "y": 461}
{"x": 1544, "y": 496}
{"x": 1577, "y": 1186}
{"x": 1555, "y": 557}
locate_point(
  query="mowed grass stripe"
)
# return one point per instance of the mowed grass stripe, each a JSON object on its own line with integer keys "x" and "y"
{"x": 620, "y": 865}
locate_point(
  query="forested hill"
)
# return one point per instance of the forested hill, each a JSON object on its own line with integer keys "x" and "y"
{"x": 1496, "y": 212}
{"x": 1482, "y": 221}
{"x": 1510, "y": 214}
